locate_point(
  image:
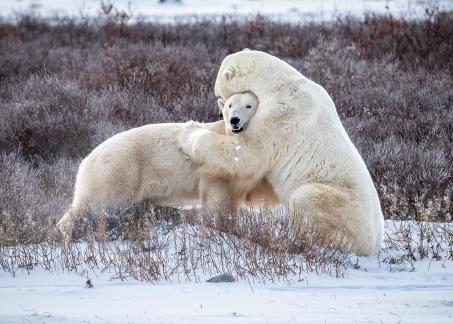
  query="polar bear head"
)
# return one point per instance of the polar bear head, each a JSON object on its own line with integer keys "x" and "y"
{"x": 276, "y": 85}
{"x": 255, "y": 71}
{"x": 238, "y": 111}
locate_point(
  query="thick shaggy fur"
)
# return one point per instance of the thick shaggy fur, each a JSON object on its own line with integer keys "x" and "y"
{"x": 297, "y": 142}
{"x": 145, "y": 164}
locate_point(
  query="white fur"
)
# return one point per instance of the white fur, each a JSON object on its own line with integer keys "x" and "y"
{"x": 242, "y": 106}
{"x": 146, "y": 164}
{"x": 297, "y": 142}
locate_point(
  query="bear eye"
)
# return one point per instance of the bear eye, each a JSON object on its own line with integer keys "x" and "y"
{"x": 248, "y": 106}
{"x": 230, "y": 105}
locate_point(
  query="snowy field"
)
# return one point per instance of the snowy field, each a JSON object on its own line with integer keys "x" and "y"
{"x": 373, "y": 291}
{"x": 287, "y": 10}
{"x": 376, "y": 290}
{"x": 372, "y": 296}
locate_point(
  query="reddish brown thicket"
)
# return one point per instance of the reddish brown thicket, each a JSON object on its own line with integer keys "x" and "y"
{"x": 65, "y": 86}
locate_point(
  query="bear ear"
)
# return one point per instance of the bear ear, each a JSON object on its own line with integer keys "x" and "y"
{"x": 228, "y": 73}
{"x": 246, "y": 49}
{"x": 221, "y": 103}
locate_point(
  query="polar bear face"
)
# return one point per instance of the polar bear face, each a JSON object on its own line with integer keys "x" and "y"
{"x": 237, "y": 111}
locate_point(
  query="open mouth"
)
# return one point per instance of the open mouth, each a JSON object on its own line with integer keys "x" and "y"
{"x": 239, "y": 130}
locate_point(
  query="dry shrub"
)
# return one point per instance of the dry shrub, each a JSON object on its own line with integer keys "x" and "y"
{"x": 32, "y": 198}
{"x": 178, "y": 245}
{"x": 164, "y": 245}
{"x": 85, "y": 88}
{"x": 425, "y": 41}
{"x": 43, "y": 118}
{"x": 406, "y": 242}
{"x": 67, "y": 85}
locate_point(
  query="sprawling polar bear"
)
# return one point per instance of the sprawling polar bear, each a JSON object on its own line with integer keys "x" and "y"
{"x": 297, "y": 142}
{"x": 146, "y": 163}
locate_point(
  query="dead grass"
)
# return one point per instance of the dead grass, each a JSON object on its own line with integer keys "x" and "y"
{"x": 66, "y": 86}
{"x": 253, "y": 246}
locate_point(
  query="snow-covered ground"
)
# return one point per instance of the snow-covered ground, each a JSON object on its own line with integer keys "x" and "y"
{"x": 367, "y": 295}
{"x": 292, "y": 10}
{"x": 373, "y": 292}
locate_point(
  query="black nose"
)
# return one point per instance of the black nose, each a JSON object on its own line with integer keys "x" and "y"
{"x": 234, "y": 121}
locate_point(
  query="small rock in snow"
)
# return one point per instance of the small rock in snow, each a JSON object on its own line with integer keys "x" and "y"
{"x": 222, "y": 278}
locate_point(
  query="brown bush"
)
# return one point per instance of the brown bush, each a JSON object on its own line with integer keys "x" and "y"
{"x": 67, "y": 85}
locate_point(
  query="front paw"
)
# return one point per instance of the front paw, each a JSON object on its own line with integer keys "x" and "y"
{"x": 183, "y": 136}
{"x": 190, "y": 138}
{"x": 191, "y": 124}
{"x": 185, "y": 143}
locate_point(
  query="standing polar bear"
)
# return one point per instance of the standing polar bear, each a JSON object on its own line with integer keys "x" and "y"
{"x": 146, "y": 164}
{"x": 297, "y": 142}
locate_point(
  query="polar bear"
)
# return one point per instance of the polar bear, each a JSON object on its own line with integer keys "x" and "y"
{"x": 238, "y": 111}
{"x": 297, "y": 142}
{"x": 145, "y": 164}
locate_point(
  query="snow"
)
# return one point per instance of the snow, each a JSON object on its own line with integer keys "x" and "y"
{"x": 372, "y": 292}
{"x": 375, "y": 292}
{"x": 292, "y": 10}
{"x": 372, "y": 296}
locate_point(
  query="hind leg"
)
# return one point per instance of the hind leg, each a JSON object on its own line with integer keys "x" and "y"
{"x": 217, "y": 198}
{"x": 66, "y": 224}
{"x": 331, "y": 212}
{"x": 95, "y": 194}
